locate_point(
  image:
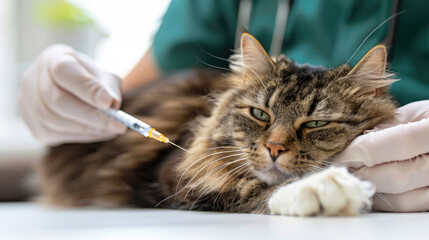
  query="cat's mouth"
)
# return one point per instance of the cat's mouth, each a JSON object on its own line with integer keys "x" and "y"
{"x": 273, "y": 175}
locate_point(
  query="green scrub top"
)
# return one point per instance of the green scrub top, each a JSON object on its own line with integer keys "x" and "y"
{"x": 317, "y": 32}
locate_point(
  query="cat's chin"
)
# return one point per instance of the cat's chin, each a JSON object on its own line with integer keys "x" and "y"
{"x": 272, "y": 175}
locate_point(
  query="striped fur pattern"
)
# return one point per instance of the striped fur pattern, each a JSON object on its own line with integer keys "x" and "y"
{"x": 264, "y": 125}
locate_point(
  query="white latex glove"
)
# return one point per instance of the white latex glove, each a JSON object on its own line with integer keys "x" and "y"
{"x": 60, "y": 94}
{"x": 395, "y": 157}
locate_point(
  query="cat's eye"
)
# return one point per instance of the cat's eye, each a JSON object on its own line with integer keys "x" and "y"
{"x": 260, "y": 115}
{"x": 315, "y": 124}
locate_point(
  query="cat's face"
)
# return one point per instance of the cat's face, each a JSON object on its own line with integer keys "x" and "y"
{"x": 289, "y": 119}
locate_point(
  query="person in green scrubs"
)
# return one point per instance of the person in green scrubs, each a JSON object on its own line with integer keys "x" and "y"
{"x": 316, "y": 32}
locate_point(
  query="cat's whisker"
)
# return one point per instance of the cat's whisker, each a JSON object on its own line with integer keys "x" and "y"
{"x": 218, "y": 168}
{"x": 228, "y": 175}
{"x": 315, "y": 166}
{"x": 210, "y": 163}
{"x": 222, "y": 147}
{"x": 329, "y": 163}
{"x": 260, "y": 80}
{"x": 361, "y": 75}
{"x": 200, "y": 159}
{"x": 324, "y": 163}
{"x": 212, "y": 55}
{"x": 198, "y": 198}
{"x": 303, "y": 172}
{"x": 238, "y": 149}
{"x": 382, "y": 197}
{"x": 199, "y": 138}
{"x": 239, "y": 172}
{"x": 232, "y": 150}
{"x": 245, "y": 175}
{"x": 218, "y": 159}
{"x": 225, "y": 185}
{"x": 181, "y": 177}
{"x": 244, "y": 76}
{"x": 313, "y": 169}
{"x": 213, "y": 66}
{"x": 366, "y": 38}
{"x": 226, "y": 69}
{"x": 231, "y": 172}
{"x": 235, "y": 169}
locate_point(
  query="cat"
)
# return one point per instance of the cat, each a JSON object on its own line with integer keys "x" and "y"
{"x": 260, "y": 140}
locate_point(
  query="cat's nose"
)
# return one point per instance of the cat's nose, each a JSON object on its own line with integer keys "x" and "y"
{"x": 275, "y": 149}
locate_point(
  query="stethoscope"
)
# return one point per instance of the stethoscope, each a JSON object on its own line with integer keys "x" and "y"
{"x": 243, "y": 21}
{"x": 283, "y": 8}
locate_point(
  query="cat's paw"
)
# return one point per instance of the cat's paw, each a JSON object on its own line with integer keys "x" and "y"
{"x": 331, "y": 192}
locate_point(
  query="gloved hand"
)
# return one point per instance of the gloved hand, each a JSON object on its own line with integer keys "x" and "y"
{"x": 60, "y": 94}
{"x": 395, "y": 157}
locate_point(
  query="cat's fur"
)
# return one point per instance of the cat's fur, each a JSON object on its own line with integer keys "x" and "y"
{"x": 236, "y": 162}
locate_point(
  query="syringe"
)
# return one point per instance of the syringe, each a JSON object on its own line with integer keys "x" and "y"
{"x": 139, "y": 126}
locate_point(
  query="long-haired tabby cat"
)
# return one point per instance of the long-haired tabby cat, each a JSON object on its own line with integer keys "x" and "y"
{"x": 260, "y": 140}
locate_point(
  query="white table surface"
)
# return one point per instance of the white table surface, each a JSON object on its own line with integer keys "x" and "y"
{"x": 31, "y": 221}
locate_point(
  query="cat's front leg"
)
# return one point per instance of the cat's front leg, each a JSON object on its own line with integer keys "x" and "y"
{"x": 332, "y": 192}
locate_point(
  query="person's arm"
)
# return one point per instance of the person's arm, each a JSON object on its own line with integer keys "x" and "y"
{"x": 145, "y": 71}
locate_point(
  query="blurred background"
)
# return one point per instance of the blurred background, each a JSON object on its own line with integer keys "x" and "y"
{"x": 116, "y": 33}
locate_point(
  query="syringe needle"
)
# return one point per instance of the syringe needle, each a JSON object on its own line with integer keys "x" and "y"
{"x": 139, "y": 126}
{"x": 172, "y": 143}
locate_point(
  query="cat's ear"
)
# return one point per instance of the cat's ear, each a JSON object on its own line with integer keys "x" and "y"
{"x": 251, "y": 58}
{"x": 371, "y": 72}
